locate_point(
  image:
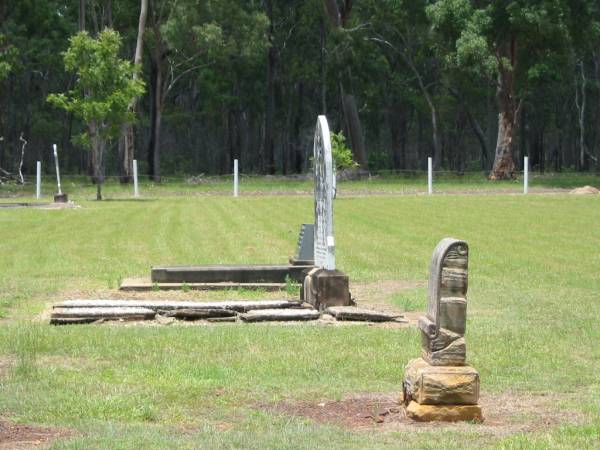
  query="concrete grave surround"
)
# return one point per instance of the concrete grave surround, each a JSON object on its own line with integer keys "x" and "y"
{"x": 440, "y": 385}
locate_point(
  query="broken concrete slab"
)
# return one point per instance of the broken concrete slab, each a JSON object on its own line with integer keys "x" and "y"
{"x": 234, "y": 305}
{"x": 93, "y": 314}
{"x": 361, "y": 314}
{"x": 278, "y": 315}
{"x": 197, "y": 314}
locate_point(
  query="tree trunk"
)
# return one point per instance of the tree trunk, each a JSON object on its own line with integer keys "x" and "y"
{"x": 353, "y": 125}
{"x": 297, "y": 138}
{"x": 338, "y": 19}
{"x": 269, "y": 144}
{"x": 81, "y": 15}
{"x": 504, "y": 165}
{"x": 126, "y": 143}
{"x": 580, "y": 103}
{"x": 157, "y": 107}
{"x": 398, "y": 124}
{"x": 156, "y": 146}
{"x": 98, "y": 146}
{"x": 323, "y": 71}
{"x": 437, "y": 147}
{"x": 476, "y": 127}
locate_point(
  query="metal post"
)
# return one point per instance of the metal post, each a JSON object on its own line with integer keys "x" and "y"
{"x": 526, "y": 175}
{"x": 430, "y": 175}
{"x": 57, "y": 170}
{"x": 136, "y": 190}
{"x": 235, "y": 178}
{"x": 38, "y": 180}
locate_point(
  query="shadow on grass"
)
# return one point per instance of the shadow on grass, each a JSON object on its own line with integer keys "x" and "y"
{"x": 132, "y": 200}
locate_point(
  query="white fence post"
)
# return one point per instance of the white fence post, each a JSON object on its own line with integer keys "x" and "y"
{"x": 235, "y": 178}
{"x": 57, "y": 170}
{"x": 526, "y": 175}
{"x": 430, "y": 175}
{"x": 136, "y": 189}
{"x": 38, "y": 180}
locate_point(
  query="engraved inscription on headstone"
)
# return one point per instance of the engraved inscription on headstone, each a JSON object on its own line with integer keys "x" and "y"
{"x": 443, "y": 328}
{"x": 324, "y": 185}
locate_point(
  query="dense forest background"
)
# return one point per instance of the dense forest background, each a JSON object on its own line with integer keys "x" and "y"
{"x": 475, "y": 84}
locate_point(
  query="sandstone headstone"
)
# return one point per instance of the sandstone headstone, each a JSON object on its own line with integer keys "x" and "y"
{"x": 444, "y": 413}
{"x": 440, "y": 385}
{"x": 443, "y": 328}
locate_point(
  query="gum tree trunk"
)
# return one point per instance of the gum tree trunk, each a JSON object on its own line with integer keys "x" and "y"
{"x": 338, "y": 19}
{"x": 98, "y": 146}
{"x": 504, "y": 166}
{"x": 126, "y": 143}
{"x": 357, "y": 140}
{"x": 269, "y": 143}
{"x": 156, "y": 118}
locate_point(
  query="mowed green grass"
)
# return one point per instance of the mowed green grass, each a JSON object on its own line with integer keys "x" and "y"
{"x": 534, "y": 319}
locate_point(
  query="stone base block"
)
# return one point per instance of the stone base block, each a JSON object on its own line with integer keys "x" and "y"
{"x": 444, "y": 413}
{"x": 61, "y": 198}
{"x": 440, "y": 385}
{"x": 324, "y": 288}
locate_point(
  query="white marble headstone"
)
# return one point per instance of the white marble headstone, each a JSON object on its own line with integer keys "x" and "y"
{"x": 324, "y": 186}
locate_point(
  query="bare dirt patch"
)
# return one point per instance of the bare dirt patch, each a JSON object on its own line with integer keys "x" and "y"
{"x": 377, "y": 296}
{"x": 39, "y": 205}
{"x": 24, "y": 436}
{"x": 585, "y": 190}
{"x": 504, "y": 414}
{"x": 6, "y": 362}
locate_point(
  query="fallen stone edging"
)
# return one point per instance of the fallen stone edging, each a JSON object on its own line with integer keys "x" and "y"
{"x": 275, "y": 315}
{"x": 89, "y": 311}
{"x": 354, "y": 313}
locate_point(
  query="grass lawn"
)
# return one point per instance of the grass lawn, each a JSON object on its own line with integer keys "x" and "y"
{"x": 533, "y": 328}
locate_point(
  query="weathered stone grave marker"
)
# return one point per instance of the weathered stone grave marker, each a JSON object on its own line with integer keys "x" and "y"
{"x": 440, "y": 385}
{"x": 324, "y": 286}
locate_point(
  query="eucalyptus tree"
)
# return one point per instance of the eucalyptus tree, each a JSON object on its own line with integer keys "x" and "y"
{"x": 104, "y": 88}
{"x": 342, "y": 29}
{"x": 400, "y": 27}
{"x": 504, "y": 42}
{"x": 186, "y": 38}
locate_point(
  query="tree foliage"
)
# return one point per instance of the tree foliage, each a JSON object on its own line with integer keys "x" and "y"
{"x": 475, "y": 84}
{"x": 104, "y": 87}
